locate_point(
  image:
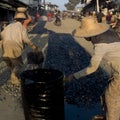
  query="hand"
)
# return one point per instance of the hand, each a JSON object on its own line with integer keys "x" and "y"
{"x": 36, "y": 49}
{"x": 69, "y": 78}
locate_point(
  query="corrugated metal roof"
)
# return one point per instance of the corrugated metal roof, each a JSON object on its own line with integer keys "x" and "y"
{"x": 6, "y": 6}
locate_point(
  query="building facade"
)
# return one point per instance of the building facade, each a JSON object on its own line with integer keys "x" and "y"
{"x": 31, "y": 2}
{"x": 8, "y": 9}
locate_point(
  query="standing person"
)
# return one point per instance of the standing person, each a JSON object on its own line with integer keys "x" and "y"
{"x": 37, "y": 16}
{"x": 106, "y": 46}
{"x": 114, "y": 20}
{"x": 108, "y": 17}
{"x": 14, "y": 38}
{"x": 49, "y": 15}
{"x": 100, "y": 15}
{"x": 58, "y": 18}
{"x": 73, "y": 15}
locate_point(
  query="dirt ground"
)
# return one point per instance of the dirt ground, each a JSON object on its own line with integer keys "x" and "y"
{"x": 68, "y": 25}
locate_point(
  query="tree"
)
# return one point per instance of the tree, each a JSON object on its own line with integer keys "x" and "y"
{"x": 92, "y": 5}
{"x": 71, "y": 4}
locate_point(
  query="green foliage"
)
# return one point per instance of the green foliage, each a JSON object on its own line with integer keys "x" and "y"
{"x": 71, "y": 4}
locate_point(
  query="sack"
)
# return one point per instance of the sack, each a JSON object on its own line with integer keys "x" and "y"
{"x": 35, "y": 57}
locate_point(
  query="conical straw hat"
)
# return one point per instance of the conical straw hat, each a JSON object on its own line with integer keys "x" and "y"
{"x": 20, "y": 15}
{"x": 90, "y": 27}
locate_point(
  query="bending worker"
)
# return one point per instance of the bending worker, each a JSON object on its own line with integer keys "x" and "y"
{"x": 14, "y": 39}
{"x": 106, "y": 46}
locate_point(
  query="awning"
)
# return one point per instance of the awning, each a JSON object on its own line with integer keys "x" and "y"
{"x": 6, "y": 6}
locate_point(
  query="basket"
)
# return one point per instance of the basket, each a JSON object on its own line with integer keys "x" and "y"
{"x": 21, "y": 9}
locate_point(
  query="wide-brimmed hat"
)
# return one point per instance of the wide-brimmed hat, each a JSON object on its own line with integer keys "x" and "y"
{"x": 20, "y": 16}
{"x": 21, "y": 9}
{"x": 90, "y": 27}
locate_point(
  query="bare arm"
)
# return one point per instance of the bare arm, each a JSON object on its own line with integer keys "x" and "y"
{"x": 27, "y": 41}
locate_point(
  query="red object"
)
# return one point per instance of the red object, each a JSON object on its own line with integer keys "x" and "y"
{"x": 49, "y": 16}
{"x": 37, "y": 15}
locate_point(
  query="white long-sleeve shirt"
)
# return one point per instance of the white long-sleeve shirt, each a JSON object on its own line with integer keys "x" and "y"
{"x": 109, "y": 52}
{"x": 14, "y": 38}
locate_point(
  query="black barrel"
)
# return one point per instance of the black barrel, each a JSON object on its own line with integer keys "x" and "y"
{"x": 42, "y": 94}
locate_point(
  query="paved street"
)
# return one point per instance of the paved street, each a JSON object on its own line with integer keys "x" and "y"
{"x": 66, "y": 54}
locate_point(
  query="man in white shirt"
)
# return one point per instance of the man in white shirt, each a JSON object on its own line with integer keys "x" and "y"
{"x": 14, "y": 39}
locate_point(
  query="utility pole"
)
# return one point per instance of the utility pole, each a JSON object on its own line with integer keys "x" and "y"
{"x": 38, "y": 2}
{"x": 44, "y": 4}
{"x": 98, "y": 7}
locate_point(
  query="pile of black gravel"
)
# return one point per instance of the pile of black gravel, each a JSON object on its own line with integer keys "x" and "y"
{"x": 65, "y": 55}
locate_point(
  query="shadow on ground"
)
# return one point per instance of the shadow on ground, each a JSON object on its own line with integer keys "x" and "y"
{"x": 65, "y": 55}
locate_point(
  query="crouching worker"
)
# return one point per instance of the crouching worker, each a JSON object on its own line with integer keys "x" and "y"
{"x": 14, "y": 39}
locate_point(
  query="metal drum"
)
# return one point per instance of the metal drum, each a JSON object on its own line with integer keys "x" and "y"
{"x": 42, "y": 94}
